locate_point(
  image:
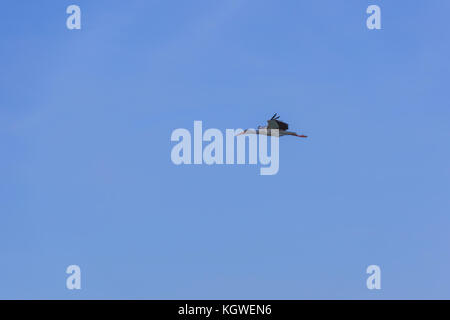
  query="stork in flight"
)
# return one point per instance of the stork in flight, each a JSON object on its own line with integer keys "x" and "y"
{"x": 273, "y": 123}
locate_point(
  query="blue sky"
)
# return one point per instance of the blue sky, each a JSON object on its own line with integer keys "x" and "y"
{"x": 86, "y": 177}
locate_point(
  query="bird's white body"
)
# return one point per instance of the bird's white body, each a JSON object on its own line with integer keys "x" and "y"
{"x": 275, "y": 128}
{"x": 270, "y": 132}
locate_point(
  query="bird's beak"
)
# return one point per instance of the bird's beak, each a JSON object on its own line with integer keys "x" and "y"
{"x": 240, "y": 133}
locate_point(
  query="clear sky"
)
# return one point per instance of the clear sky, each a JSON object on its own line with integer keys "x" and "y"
{"x": 86, "y": 176}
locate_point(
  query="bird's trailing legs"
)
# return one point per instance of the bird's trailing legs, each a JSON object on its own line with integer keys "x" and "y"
{"x": 296, "y": 135}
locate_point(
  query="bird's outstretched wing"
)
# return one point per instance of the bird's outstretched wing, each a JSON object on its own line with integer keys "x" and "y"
{"x": 274, "y": 123}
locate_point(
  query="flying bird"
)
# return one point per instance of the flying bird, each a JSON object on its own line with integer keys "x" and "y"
{"x": 273, "y": 123}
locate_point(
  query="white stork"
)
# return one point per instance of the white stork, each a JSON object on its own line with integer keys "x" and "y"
{"x": 273, "y": 123}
